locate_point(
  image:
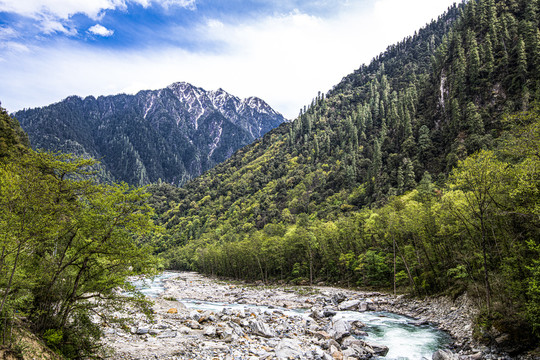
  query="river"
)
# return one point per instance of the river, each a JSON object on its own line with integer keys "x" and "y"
{"x": 404, "y": 338}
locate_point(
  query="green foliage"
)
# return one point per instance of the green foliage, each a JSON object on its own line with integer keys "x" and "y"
{"x": 66, "y": 244}
{"x": 409, "y": 171}
{"x": 53, "y": 338}
{"x": 13, "y": 140}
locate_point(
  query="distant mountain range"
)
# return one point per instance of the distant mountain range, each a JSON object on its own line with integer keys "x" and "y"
{"x": 172, "y": 134}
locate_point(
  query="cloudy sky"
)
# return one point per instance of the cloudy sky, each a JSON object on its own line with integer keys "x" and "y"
{"x": 283, "y": 51}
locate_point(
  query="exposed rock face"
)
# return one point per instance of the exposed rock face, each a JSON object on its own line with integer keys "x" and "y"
{"x": 172, "y": 134}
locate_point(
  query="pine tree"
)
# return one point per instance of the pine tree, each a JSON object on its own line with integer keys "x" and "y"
{"x": 488, "y": 60}
{"x": 474, "y": 121}
{"x": 473, "y": 62}
{"x": 520, "y": 76}
{"x": 458, "y": 69}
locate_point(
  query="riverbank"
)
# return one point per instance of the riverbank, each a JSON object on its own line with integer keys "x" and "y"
{"x": 290, "y": 322}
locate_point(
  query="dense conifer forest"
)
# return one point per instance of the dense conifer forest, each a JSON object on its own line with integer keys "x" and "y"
{"x": 424, "y": 159}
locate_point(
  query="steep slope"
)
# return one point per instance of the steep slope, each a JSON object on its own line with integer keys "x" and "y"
{"x": 411, "y": 114}
{"x": 173, "y": 134}
{"x": 13, "y": 140}
{"x": 410, "y": 174}
{"x": 326, "y": 162}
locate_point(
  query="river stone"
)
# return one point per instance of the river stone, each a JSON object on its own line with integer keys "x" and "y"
{"x": 362, "y": 307}
{"x": 350, "y": 340}
{"x": 348, "y": 305}
{"x": 288, "y": 349}
{"x": 167, "y": 334}
{"x": 339, "y": 329}
{"x": 262, "y": 329}
{"x": 210, "y": 331}
{"x": 228, "y": 335}
{"x": 184, "y": 330}
{"x": 195, "y": 315}
{"x": 142, "y": 331}
{"x": 321, "y": 335}
{"x": 236, "y": 328}
{"x": 193, "y": 324}
{"x": 154, "y": 331}
{"x": 336, "y": 354}
{"x": 355, "y": 351}
{"x": 444, "y": 355}
{"x": 319, "y": 354}
{"x": 329, "y": 313}
{"x": 379, "y": 349}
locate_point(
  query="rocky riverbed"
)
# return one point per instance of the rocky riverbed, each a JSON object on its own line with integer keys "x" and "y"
{"x": 287, "y": 323}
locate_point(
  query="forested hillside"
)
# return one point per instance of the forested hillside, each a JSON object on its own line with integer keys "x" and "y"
{"x": 414, "y": 160}
{"x": 13, "y": 140}
{"x": 171, "y": 134}
{"x": 67, "y": 244}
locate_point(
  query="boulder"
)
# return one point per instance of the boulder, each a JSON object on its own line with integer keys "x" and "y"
{"x": 262, "y": 329}
{"x": 339, "y": 329}
{"x": 142, "y": 331}
{"x": 363, "y": 306}
{"x": 172, "y": 311}
{"x": 376, "y": 349}
{"x": 336, "y": 353}
{"x": 167, "y": 334}
{"x": 193, "y": 324}
{"x": 210, "y": 331}
{"x": 356, "y": 352}
{"x": 288, "y": 349}
{"x": 350, "y": 340}
{"x": 349, "y": 305}
{"x": 328, "y": 313}
{"x": 444, "y": 355}
{"x": 228, "y": 335}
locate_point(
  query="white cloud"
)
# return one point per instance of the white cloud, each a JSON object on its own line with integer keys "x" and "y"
{"x": 284, "y": 59}
{"x": 51, "y": 25}
{"x": 59, "y": 9}
{"x": 7, "y": 33}
{"x": 14, "y": 47}
{"x": 63, "y": 9}
{"x": 100, "y": 30}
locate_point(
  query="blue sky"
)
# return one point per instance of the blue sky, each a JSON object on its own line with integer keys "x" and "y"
{"x": 282, "y": 51}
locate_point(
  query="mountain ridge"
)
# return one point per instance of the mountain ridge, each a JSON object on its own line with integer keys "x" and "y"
{"x": 172, "y": 134}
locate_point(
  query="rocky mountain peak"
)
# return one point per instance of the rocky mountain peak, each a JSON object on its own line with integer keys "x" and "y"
{"x": 172, "y": 134}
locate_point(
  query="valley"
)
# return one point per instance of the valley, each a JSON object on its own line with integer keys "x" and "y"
{"x": 199, "y": 317}
{"x": 410, "y": 187}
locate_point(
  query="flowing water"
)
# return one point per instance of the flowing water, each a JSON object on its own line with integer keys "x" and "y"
{"x": 404, "y": 338}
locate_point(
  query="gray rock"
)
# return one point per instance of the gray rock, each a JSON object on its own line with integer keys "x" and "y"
{"x": 142, "y": 331}
{"x": 350, "y": 340}
{"x": 195, "y": 315}
{"x": 193, "y": 324}
{"x": 184, "y": 330}
{"x": 328, "y": 313}
{"x": 356, "y": 352}
{"x": 167, "y": 334}
{"x": 362, "y": 307}
{"x": 262, "y": 329}
{"x": 288, "y": 349}
{"x": 319, "y": 354}
{"x": 444, "y": 355}
{"x": 380, "y": 350}
{"x": 339, "y": 329}
{"x": 228, "y": 335}
{"x": 349, "y": 305}
{"x": 210, "y": 331}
